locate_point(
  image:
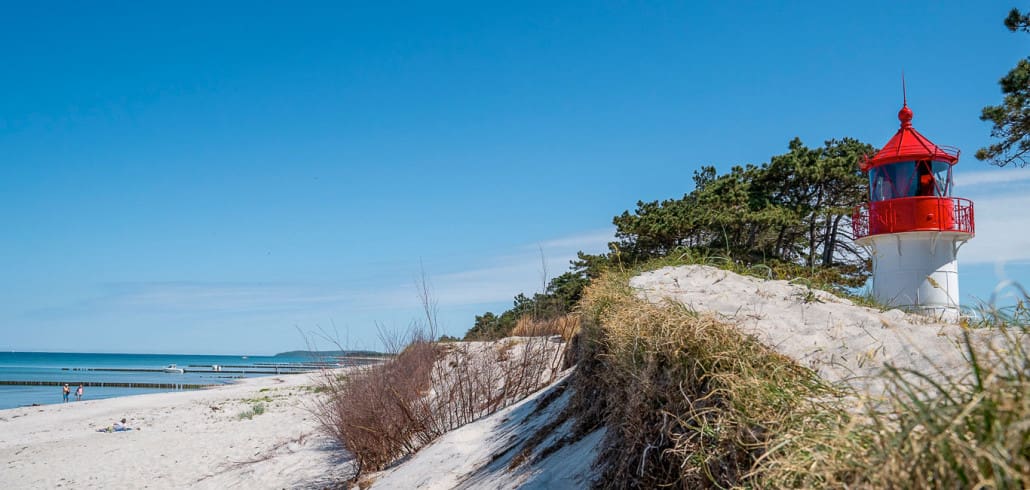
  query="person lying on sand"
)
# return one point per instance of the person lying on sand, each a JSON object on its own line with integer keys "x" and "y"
{"x": 120, "y": 426}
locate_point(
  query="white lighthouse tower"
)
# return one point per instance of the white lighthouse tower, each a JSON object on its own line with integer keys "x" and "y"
{"x": 912, "y": 225}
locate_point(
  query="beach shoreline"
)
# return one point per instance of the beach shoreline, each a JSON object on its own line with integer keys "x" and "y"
{"x": 196, "y": 438}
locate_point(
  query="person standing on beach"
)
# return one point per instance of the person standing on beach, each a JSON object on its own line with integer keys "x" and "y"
{"x": 66, "y": 392}
{"x": 78, "y": 393}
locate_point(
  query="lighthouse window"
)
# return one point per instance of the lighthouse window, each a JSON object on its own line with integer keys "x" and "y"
{"x": 893, "y": 181}
{"x": 925, "y": 184}
{"x": 934, "y": 178}
{"x": 942, "y": 177}
{"x": 910, "y": 179}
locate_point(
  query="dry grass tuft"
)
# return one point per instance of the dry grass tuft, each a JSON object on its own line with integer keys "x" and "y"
{"x": 969, "y": 430}
{"x": 566, "y": 326}
{"x": 688, "y": 401}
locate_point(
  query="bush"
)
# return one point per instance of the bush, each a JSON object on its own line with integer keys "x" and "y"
{"x": 383, "y": 412}
{"x": 375, "y": 413}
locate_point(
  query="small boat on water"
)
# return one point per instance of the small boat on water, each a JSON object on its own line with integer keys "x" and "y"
{"x": 172, "y": 368}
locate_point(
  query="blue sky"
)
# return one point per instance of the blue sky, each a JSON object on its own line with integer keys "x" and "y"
{"x": 217, "y": 177}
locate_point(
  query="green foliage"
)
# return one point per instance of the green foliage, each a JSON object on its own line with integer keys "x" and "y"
{"x": 560, "y": 297}
{"x": 794, "y": 210}
{"x": 1011, "y": 119}
{"x": 1018, "y": 21}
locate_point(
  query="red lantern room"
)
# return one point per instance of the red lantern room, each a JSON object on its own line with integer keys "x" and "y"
{"x": 910, "y": 185}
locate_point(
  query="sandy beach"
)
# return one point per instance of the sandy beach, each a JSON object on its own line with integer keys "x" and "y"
{"x": 194, "y": 439}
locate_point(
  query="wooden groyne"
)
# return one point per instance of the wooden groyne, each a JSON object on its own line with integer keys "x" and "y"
{"x": 256, "y": 370}
{"x": 109, "y": 384}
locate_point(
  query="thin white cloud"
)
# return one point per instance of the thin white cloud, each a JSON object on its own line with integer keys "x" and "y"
{"x": 1002, "y": 231}
{"x": 965, "y": 180}
{"x": 521, "y": 270}
{"x": 221, "y": 297}
{"x": 589, "y": 241}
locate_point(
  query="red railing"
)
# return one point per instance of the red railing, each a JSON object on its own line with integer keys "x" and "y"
{"x": 913, "y": 214}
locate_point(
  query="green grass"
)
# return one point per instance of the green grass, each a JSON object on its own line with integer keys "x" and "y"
{"x": 264, "y": 399}
{"x": 255, "y": 410}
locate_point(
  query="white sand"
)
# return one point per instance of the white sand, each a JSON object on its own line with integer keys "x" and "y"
{"x": 182, "y": 441}
{"x": 839, "y": 340}
{"x": 478, "y": 455}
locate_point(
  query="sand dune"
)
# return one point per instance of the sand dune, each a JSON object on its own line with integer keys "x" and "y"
{"x": 841, "y": 341}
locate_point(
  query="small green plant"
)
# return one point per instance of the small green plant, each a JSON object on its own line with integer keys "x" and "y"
{"x": 255, "y": 409}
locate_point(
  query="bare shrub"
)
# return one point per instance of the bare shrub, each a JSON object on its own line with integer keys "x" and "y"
{"x": 484, "y": 377}
{"x": 383, "y": 412}
{"x": 375, "y": 411}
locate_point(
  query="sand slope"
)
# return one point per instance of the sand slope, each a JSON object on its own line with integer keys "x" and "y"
{"x": 478, "y": 455}
{"x": 186, "y": 439}
{"x": 839, "y": 340}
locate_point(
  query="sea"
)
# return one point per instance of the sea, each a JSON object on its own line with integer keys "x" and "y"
{"x": 75, "y": 368}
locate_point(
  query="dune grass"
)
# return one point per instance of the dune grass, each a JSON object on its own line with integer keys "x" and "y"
{"x": 961, "y": 430}
{"x": 690, "y": 402}
{"x": 566, "y": 326}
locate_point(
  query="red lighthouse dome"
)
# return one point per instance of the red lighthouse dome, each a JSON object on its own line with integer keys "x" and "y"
{"x": 910, "y": 186}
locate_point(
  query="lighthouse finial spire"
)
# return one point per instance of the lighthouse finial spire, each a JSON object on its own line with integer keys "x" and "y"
{"x": 904, "y": 93}
{"x": 905, "y": 114}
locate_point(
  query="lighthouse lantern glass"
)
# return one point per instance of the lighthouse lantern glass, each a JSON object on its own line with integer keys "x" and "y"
{"x": 910, "y": 179}
{"x": 892, "y": 181}
{"x": 942, "y": 178}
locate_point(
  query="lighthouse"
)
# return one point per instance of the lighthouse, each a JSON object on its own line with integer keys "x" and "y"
{"x": 912, "y": 225}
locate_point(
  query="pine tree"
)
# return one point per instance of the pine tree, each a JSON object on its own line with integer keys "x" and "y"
{"x": 1011, "y": 119}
